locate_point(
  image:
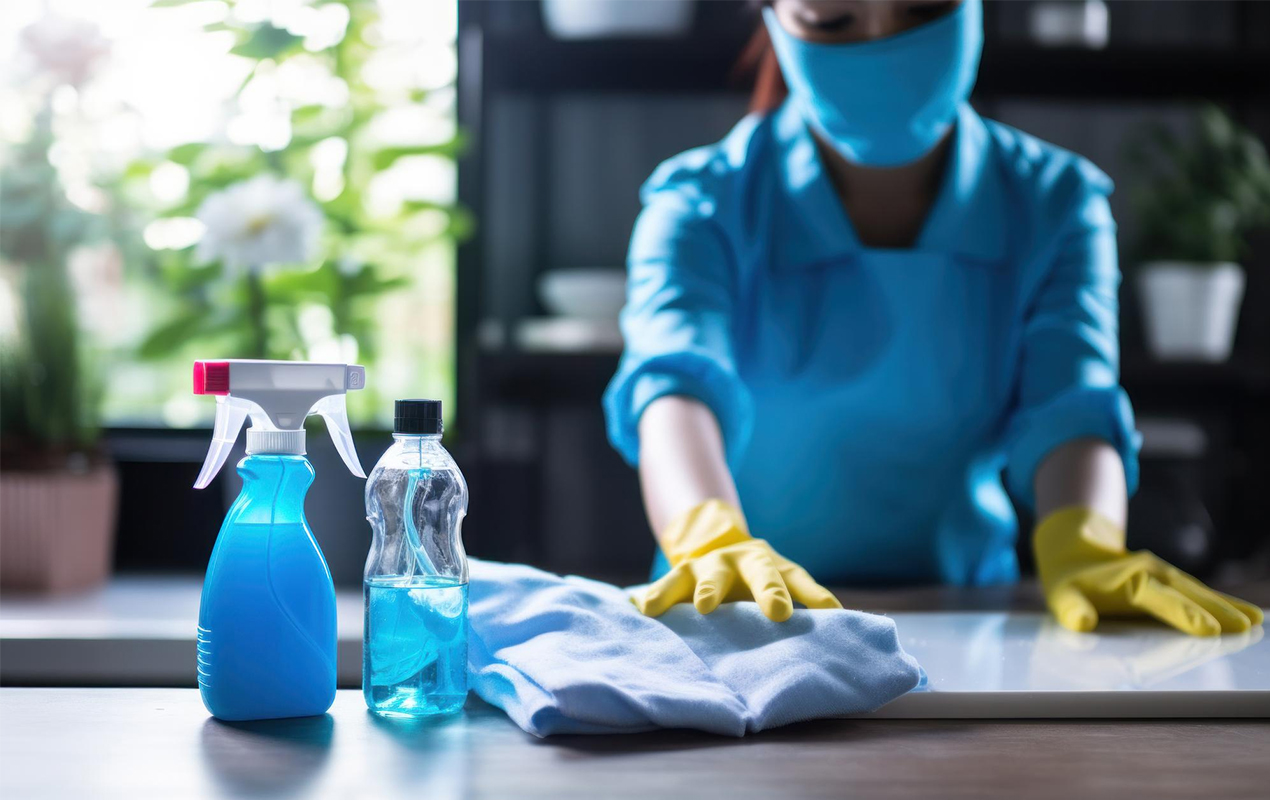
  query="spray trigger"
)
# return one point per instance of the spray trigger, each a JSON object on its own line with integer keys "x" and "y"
{"x": 334, "y": 411}
{"x": 231, "y": 413}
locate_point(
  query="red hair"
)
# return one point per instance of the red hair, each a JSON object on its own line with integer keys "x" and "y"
{"x": 759, "y": 58}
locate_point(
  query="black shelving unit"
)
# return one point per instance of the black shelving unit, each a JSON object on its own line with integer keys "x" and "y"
{"x": 521, "y": 56}
{"x": 504, "y": 49}
{"x": 505, "y": 53}
{"x": 541, "y": 66}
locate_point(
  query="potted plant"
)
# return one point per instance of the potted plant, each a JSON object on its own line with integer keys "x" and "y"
{"x": 57, "y": 488}
{"x": 1201, "y": 198}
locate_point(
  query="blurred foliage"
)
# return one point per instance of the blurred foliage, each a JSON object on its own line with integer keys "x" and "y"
{"x": 139, "y": 299}
{"x": 255, "y": 313}
{"x": 49, "y": 396}
{"x": 1202, "y": 196}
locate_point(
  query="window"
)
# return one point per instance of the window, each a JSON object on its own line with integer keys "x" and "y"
{"x": 243, "y": 178}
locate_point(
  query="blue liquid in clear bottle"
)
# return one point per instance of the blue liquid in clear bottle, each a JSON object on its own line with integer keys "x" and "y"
{"x": 415, "y": 659}
{"x": 414, "y": 646}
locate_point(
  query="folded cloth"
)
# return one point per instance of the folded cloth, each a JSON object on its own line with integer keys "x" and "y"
{"x": 572, "y": 655}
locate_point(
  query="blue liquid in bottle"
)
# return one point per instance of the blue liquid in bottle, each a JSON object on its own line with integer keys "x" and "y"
{"x": 414, "y": 658}
{"x": 266, "y": 623}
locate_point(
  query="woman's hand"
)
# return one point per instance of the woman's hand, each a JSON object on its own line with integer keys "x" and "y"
{"x": 715, "y": 560}
{"x": 1087, "y": 573}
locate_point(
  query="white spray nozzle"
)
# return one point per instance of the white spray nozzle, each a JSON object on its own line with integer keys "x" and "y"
{"x": 277, "y": 395}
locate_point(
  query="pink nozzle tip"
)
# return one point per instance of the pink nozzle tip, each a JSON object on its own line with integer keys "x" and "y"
{"x": 211, "y": 377}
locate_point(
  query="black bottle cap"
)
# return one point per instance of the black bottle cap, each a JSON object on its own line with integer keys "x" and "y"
{"x": 417, "y": 417}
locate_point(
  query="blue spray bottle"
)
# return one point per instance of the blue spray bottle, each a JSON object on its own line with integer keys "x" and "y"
{"x": 266, "y": 624}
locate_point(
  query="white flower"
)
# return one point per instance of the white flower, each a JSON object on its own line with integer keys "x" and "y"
{"x": 350, "y": 266}
{"x": 67, "y": 50}
{"x": 259, "y": 222}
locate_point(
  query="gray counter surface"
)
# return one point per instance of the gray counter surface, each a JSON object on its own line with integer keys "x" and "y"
{"x": 160, "y": 743}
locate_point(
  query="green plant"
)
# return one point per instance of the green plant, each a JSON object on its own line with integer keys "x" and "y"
{"x": 1202, "y": 196}
{"x": 49, "y": 399}
{"x": 240, "y": 304}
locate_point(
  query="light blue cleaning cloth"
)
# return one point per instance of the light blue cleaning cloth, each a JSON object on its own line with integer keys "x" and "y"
{"x": 572, "y": 655}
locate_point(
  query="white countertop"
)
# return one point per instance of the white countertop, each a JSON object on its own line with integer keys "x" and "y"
{"x": 1023, "y": 664}
{"x": 139, "y": 631}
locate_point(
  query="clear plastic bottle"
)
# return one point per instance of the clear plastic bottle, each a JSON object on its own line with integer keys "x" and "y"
{"x": 414, "y": 646}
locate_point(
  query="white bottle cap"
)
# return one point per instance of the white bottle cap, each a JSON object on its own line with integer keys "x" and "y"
{"x": 278, "y": 442}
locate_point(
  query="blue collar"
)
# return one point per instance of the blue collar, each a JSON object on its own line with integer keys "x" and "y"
{"x": 967, "y": 219}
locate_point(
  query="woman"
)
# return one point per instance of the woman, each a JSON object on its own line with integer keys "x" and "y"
{"x": 853, "y": 313}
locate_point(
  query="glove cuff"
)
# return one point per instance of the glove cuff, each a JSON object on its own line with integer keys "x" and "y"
{"x": 702, "y": 528}
{"x": 1074, "y": 535}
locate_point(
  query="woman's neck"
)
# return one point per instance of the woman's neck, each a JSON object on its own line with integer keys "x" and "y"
{"x": 887, "y": 206}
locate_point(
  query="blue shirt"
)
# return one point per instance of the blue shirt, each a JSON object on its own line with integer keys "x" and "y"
{"x": 870, "y": 399}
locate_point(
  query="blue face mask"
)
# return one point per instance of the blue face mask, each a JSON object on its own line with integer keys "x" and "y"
{"x": 887, "y": 102}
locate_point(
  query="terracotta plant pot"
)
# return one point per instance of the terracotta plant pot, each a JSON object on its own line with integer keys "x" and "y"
{"x": 57, "y": 528}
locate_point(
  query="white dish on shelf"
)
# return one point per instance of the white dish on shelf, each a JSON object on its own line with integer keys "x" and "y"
{"x": 599, "y": 19}
{"x": 586, "y": 293}
{"x": 568, "y": 335}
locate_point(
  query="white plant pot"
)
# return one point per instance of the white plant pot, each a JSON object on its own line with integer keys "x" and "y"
{"x": 598, "y": 19}
{"x": 1191, "y": 310}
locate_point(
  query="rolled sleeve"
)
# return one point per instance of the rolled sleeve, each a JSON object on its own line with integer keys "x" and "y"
{"x": 1069, "y": 385}
{"x": 677, "y": 322}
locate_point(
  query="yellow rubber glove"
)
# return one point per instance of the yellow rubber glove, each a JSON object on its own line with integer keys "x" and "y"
{"x": 1087, "y": 573}
{"x": 715, "y": 560}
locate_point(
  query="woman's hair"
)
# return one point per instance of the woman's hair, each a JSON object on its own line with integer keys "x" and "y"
{"x": 758, "y": 58}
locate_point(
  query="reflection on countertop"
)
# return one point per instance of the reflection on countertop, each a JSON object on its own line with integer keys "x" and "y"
{"x": 1027, "y": 651}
